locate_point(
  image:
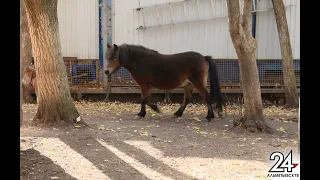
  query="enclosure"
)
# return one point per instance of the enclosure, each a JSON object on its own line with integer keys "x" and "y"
{"x": 169, "y": 26}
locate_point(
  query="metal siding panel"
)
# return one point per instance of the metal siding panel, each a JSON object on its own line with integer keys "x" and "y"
{"x": 296, "y": 48}
{"x": 267, "y": 33}
{"x": 209, "y": 37}
{"x": 79, "y": 28}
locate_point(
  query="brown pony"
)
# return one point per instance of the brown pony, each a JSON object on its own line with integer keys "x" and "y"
{"x": 29, "y": 78}
{"x": 152, "y": 69}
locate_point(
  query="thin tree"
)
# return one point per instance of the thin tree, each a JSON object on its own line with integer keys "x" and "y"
{"x": 25, "y": 49}
{"x": 53, "y": 94}
{"x": 21, "y": 112}
{"x": 245, "y": 46}
{"x": 290, "y": 86}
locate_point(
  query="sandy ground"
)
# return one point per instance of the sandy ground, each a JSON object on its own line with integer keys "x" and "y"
{"x": 117, "y": 146}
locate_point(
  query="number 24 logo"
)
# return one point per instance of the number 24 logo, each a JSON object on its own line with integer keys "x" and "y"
{"x": 282, "y": 163}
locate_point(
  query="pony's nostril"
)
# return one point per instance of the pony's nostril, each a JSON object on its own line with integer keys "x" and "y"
{"x": 107, "y": 72}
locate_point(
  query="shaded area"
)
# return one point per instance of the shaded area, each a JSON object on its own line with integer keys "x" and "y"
{"x": 113, "y": 166}
{"x": 35, "y": 166}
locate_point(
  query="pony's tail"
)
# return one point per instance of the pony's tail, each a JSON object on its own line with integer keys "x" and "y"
{"x": 215, "y": 91}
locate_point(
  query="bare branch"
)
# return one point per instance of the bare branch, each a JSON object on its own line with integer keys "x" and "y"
{"x": 247, "y": 20}
{"x": 233, "y": 10}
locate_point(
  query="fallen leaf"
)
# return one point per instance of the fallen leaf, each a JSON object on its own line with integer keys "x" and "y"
{"x": 145, "y": 133}
{"x": 43, "y": 142}
{"x": 54, "y": 177}
{"x": 196, "y": 128}
{"x": 195, "y": 118}
{"x": 77, "y": 126}
{"x": 202, "y": 132}
{"x": 282, "y": 129}
{"x": 110, "y": 130}
{"x": 51, "y": 153}
{"x": 78, "y": 119}
{"x": 101, "y": 128}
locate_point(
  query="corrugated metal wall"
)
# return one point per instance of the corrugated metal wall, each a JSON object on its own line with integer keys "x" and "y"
{"x": 206, "y": 32}
{"x": 267, "y": 33}
{"x": 79, "y": 28}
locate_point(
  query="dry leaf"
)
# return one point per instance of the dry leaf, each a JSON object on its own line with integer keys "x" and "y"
{"x": 77, "y": 126}
{"x": 145, "y": 133}
{"x": 195, "y": 118}
{"x": 78, "y": 119}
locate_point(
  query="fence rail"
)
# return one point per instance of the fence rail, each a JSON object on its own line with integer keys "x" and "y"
{"x": 270, "y": 74}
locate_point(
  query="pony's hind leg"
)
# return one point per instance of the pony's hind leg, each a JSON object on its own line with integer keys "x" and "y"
{"x": 186, "y": 98}
{"x": 145, "y": 99}
{"x": 207, "y": 99}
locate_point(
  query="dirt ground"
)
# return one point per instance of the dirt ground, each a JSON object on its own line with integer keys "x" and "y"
{"x": 159, "y": 146}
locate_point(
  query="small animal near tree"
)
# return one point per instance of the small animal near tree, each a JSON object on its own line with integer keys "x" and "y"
{"x": 245, "y": 46}
{"x": 25, "y": 49}
{"x": 53, "y": 94}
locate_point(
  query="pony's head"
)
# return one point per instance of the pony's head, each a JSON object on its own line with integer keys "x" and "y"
{"x": 29, "y": 74}
{"x": 113, "y": 59}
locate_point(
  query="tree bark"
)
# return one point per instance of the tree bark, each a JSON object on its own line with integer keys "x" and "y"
{"x": 53, "y": 94}
{"x": 299, "y": 129}
{"x": 25, "y": 49}
{"x": 245, "y": 46}
{"x": 21, "y": 112}
{"x": 290, "y": 87}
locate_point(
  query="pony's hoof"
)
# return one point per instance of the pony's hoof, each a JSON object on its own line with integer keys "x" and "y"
{"x": 178, "y": 114}
{"x": 209, "y": 118}
{"x": 138, "y": 117}
{"x": 220, "y": 115}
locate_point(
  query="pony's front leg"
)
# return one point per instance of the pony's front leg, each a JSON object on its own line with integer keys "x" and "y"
{"x": 144, "y": 100}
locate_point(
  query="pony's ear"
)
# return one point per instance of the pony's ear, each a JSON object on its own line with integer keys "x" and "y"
{"x": 108, "y": 45}
{"x": 115, "y": 47}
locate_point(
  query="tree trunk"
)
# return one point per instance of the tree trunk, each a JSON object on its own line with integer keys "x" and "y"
{"x": 25, "y": 49}
{"x": 245, "y": 45}
{"x": 290, "y": 87}
{"x": 299, "y": 129}
{"x": 21, "y": 112}
{"x": 53, "y": 94}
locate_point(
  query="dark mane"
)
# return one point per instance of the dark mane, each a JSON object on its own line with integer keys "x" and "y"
{"x": 140, "y": 48}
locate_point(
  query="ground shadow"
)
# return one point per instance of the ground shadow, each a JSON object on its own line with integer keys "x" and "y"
{"x": 33, "y": 165}
{"x": 114, "y": 167}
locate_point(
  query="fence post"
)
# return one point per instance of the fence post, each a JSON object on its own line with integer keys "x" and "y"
{"x": 104, "y": 24}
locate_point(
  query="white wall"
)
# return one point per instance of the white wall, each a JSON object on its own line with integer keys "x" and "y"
{"x": 209, "y": 37}
{"x": 79, "y": 28}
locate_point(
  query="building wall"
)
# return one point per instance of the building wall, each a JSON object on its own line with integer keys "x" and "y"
{"x": 205, "y": 32}
{"x": 79, "y": 28}
{"x": 267, "y": 34}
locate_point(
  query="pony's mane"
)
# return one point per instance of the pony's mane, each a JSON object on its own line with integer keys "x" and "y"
{"x": 139, "y": 48}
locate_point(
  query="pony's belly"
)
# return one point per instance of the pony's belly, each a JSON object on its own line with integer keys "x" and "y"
{"x": 169, "y": 86}
{"x": 185, "y": 83}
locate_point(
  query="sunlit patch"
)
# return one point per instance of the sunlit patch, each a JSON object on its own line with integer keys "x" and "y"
{"x": 62, "y": 155}
{"x": 206, "y": 168}
{"x": 143, "y": 169}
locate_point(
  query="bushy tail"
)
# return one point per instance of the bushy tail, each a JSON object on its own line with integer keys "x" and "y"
{"x": 215, "y": 91}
